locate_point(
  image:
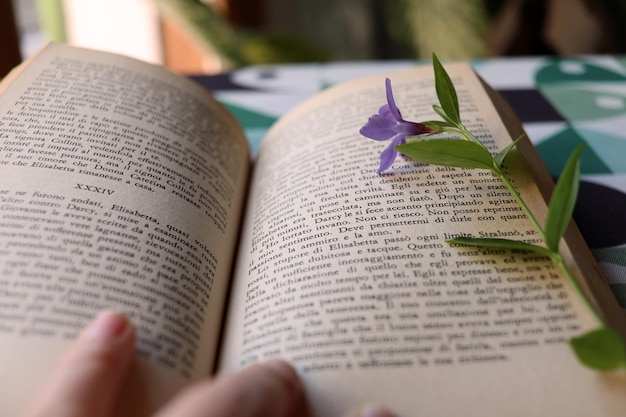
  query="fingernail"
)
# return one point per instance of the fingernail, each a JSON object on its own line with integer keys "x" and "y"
{"x": 108, "y": 325}
{"x": 371, "y": 411}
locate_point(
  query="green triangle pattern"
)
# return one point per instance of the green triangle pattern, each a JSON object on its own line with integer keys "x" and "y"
{"x": 578, "y": 104}
{"x": 621, "y": 59}
{"x": 615, "y": 255}
{"x": 619, "y": 290}
{"x": 325, "y": 84}
{"x": 556, "y": 149}
{"x": 609, "y": 148}
{"x": 249, "y": 118}
{"x": 553, "y": 73}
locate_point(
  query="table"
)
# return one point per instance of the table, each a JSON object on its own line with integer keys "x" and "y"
{"x": 561, "y": 103}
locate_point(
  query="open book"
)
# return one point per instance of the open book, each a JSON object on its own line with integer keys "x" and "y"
{"x": 126, "y": 187}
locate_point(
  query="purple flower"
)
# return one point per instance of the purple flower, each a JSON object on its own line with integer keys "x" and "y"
{"x": 389, "y": 124}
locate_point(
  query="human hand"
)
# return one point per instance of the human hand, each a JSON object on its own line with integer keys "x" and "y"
{"x": 88, "y": 380}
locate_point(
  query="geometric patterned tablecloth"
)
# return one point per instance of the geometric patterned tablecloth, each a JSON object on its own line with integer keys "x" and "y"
{"x": 561, "y": 102}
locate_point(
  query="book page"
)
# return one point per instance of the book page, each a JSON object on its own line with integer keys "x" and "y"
{"x": 122, "y": 189}
{"x": 347, "y": 273}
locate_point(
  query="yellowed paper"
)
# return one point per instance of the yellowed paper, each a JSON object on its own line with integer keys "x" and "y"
{"x": 348, "y": 274}
{"x": 122, "y": 189}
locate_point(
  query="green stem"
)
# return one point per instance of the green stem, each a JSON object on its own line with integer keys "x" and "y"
{"x": 554, "y": 255}
{"x": 560, "y": 262}
{"x": 521, "y": 202}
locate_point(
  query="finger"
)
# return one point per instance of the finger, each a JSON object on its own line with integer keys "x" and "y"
{"x": 88, "y": 379}
{"x": 271, "y": 389}
{"x": 370, "y": 411}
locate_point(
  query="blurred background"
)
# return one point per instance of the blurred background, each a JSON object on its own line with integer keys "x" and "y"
{"x": 211, "y": 36}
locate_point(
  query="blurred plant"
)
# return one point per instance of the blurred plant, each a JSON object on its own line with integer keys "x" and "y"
{"x": 373, "y": 29}
{"x": 454, "y": 28}
{"x": 236, "y": 47}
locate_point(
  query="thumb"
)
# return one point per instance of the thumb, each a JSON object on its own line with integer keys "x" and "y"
{"x": 271, "y": 389}
{"x": 88, "y": 379}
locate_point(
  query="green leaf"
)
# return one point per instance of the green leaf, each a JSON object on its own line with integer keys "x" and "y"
{"x": 445, "y": 91}
{"x": 601, "y": 349}
{"x": 441, "y": 112}
{"x": 563, "y": 200}
{"x": 499, "y": 158}
{"x": 449, "y": 152}
{"x": 488, "y": 242}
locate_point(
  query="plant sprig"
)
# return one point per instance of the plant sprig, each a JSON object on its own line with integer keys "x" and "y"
{"x": 601, "y": 348}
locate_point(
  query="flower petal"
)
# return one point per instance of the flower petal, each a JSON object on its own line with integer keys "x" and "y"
{"x": 389, "y": 154}
{"x": 385, "y": 112}
{"x": 399, "y": 139}
{"x": 391, "y": 102}
{"x": 387, "y": 157}
{"x": 379, "y": 128}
